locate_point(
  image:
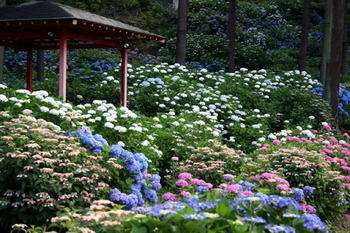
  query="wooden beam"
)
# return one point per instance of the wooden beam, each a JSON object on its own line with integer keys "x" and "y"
{"x": 30, "y": 70}
{"x": 92, "y": 38}
{"x": 19, "y": 35}
{"x": 63, "y": 63}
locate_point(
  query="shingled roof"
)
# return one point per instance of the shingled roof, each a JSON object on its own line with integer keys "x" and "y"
{"x": 33, "y": 18}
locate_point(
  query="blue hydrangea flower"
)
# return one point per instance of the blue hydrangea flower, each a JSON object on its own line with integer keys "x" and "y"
{"x": 308, "y": 190}
{"x": 299, "y": 194}
{"x": 99, "y": 138}
{"x": 156, "y": 185}
{"x": 142, "y": 161}
{"x": 84, "y": 132}
{"x": 132, "y": 166}
{"x": 280, "y": 228}
{"x": 128, "y": 156}
{"x": 248, "y": 185}
{"x": 116, "y": 151}
{"x": 155, "y": 177}
{"x": 264, "y": 199}
{"x": 150, "y": 195}
{"x": 90, "y": 141}
{"x": 97, "y": 150}
{"x": 138, "y": 193}
{"x": 202, "y": 189}
{"x": 313, "y": 222}
{"x": 195, "y": 216}
{"x": 253, "y": 219}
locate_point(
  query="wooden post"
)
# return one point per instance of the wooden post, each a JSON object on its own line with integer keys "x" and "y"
{"x": 30, "y": 69}
{"x": 63, "y": 63}
{"x": 124, "y": 73}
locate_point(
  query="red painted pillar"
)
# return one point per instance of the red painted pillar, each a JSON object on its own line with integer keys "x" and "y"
{"x": 124, "y": 72}
{"x": 30, "y": 70}
{"x": 63, "y": 63}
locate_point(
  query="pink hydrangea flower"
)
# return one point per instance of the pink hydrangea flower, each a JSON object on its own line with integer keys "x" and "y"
{"x": 347, "y": 216}
{"x": 175, "y": 158}
{"x": 181, "y": 183}
{"x": 346, "y": 185}
{"x": 310, "y": 208}
{"x": 233, "y": 188}
{"x": 327, "y": 127}
{"x": 276, "y": 142}
{"x": 200, "y": 182}
{"x": 283, "y": 187}
{"x": 246, "y": 194}
{"x": 209, "y": 185}
{"x": 268, "y": 176}
{"x": 170, "y": 196}
{"x": 185, "y": 194}
{"x": 333, "y": 140}
{"x": 185, "y": 176}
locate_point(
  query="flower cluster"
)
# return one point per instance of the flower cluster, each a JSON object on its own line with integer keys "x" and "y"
{"x": 136, "y": 163}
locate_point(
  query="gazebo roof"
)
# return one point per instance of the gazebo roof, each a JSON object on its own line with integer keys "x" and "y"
{"x": 37, "y": 25}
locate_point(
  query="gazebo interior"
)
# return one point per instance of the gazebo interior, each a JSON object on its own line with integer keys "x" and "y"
{"x": 45, "y": 25}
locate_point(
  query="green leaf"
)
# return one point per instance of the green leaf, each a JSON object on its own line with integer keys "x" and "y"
{"x": 138, "y": 228}
{"x": 223, "y": 207}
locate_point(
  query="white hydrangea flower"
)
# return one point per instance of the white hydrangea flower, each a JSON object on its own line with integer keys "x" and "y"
{"x": 44, "y": 109}
{"x": 120, "y": 143}
{"x": 101, "y": 108}
{"x": 54, "y": 112}
{"x": 109, "y": 125}
{"x": 3, "y": 98}
{"x": 120, "y": 129}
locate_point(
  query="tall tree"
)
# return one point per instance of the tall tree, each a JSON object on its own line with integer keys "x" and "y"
{"x": 326, "y": 45}
{"x": 345, "y": 40}
{"x": 2, "y": 52}
{"x": 304, "y": 35}
{"x": 334, "y": 58}
{"x": 181, "y": 32}
{"x": 232, "y": 34}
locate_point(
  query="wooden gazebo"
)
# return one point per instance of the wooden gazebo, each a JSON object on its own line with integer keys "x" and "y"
{"x": 45, "y": 25}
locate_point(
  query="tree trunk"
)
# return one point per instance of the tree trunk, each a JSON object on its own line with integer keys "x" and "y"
{"x": 304, "y": 35}
{"x": 334, "y": 64}
{"x": 40, "y": 62}
{"x": 345, "y": 40}
{"x": 232, "y": 34}
{"x": 2, "y": 52}
{"x": 181, "y": 32}
{"x": 326, "y": 46}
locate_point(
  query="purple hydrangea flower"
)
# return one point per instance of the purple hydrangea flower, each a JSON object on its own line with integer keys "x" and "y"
{"x": 115, "y": 195}
{"x": 308, "y": 190}
{"x": 84, "y": 132}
